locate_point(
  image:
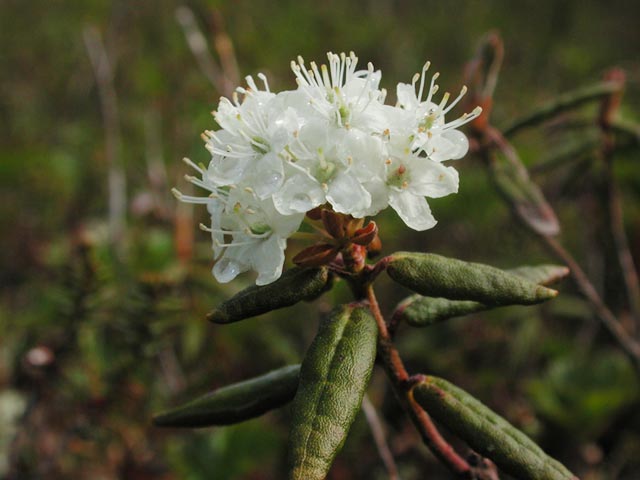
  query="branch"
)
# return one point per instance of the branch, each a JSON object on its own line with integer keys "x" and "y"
{"x": 377, "y": 431}
{"x": 198, "y": 45}
{"x": 561, "y": 103}
{"x": 225, "y": 50}
{"x": 608, "y": 111}
{"x": 607, "y": 318}
{"x": 108, "y": 102}
{"x": 401, "y": 385}
{"x": 492, "y": 139}
{"x": 156, "y": 171}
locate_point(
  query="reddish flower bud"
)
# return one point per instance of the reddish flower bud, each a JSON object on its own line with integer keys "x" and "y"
{"x": 316, "y": 255}
{"x": 334, "y": 223}
{"x": 364, "y": 236}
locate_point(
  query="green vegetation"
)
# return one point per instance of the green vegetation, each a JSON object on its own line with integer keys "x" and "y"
{"x": 103, "y": 306}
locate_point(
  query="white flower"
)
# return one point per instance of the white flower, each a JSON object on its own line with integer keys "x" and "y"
{"x": 254, "y": 133}
{"x": 247, "y": 232}
{"x": 410, "y": 178}
{"x": 430, "y": 133}
{"x": 329, "y": 165}
{"x": 342, "y": 95}
{"x": 332, "y": 141}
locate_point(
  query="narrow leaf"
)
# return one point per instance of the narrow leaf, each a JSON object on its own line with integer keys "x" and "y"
{"x": 333, "y": 379}
{"x": 293, "y": 286}
{"x": 563, "y": 102}
{"x": 236, "y": 403}
{"x": 487, "y": 432}
{"x": 437, "y": 276}
{"x": 541, "y": 274}
{"x": 523, "y": 195}
{"x": 419, "y": 311}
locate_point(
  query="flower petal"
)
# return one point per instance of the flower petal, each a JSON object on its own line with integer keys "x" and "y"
{"x": 432, "y": 179}
{"x": 231, "y": 264}
{"x": 299, "y": 194}
{"x": 268, "y": 259}
{"x": 347, "y": 195}
{"x": 414, "y": 210}
{"x": 268, "y": 175}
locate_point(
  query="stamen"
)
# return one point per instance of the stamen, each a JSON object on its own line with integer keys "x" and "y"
{"x": 325, "y": 76}
{"x": 422, "y": 77}
{"x": 263, "y": 77}
{"x": 465, "y": 118}
{"x": 433, "y": 88}
{"x": 190, "y": 199}
{"x": 463, "y": 91}
{"x": 193, "y": 165}
{"x": 414, "y": 80}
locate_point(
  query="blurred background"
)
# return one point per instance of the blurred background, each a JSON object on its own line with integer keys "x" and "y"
{"x": 105, "y": 280}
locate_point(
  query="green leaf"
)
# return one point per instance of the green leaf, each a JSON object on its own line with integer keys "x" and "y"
{"x": 434, "y": 275}
{"x": 524, "y": 197}
{"x": 333, "y": 379}
{"x": 293, "y": 286}
{"x": 419, "y": 311}
{"x": 487, "y": 432}
{"x": 236, "y": 403}
{"x": 541, "y": 274}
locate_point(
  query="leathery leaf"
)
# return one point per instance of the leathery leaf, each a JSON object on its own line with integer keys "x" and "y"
{"x": 236, "y": 403}
{"x": 487, "y": 432}
{"x": 295, "y": 285}
{"x": 436, "y": 276}
{"x": 333, "y": 379}
{"x": 420, "y": 311}
{"x": 523, "y": 195}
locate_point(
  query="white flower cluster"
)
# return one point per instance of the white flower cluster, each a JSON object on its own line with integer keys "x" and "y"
{"x": 331, "y": 141}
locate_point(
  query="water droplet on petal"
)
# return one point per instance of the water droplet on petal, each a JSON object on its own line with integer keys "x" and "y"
{"x": 301, "y": 202}
{"x": 275, "y": 178}
{"x": 460, "y": 144}
{"x": 269, "y": 184}
{"x": 226, "y": 270}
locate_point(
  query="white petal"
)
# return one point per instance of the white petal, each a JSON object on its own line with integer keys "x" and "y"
{"x": 268, "y": 259}
{"x": 413, "y": 210}
{"x": 224, "y": 171}
{"x": 459, "y": 142}
{"x": 268, "y": 175}
{"x": 407, "y": 96}
{"x": 230, "y": 265}
{"x": 451, "y": 145}
{"x": 432, "y": 179}
{"x": 347, "y": 195}
{"x": 299, "y": 194}
{"x": 379, "y": 198}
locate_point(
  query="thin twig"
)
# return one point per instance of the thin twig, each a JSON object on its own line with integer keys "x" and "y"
{"x": 494, "y": 140}
{"x": 224, "y": 49}
{"x": 400, "y": 381}
{"x": 608, "y": 111}
{"x": 567, "y": 155}
{"x": 561, "y": 104}
{"x": 171, "y": 370}
{"x": 377, "y": 430}
{"x": 608, "y": 319}
{"x": 627, "y": 128}
{"x": 156, "y": 171}
{"x": 108, "y": 102}
{"x": 625, "y": 258}
{"x": 197, "y": 43}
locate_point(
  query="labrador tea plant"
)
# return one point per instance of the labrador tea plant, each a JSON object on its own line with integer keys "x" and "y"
{"x": 315, "y": 163}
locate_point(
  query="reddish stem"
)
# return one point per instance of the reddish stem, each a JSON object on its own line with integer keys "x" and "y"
{"x": 402, "y": 383}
